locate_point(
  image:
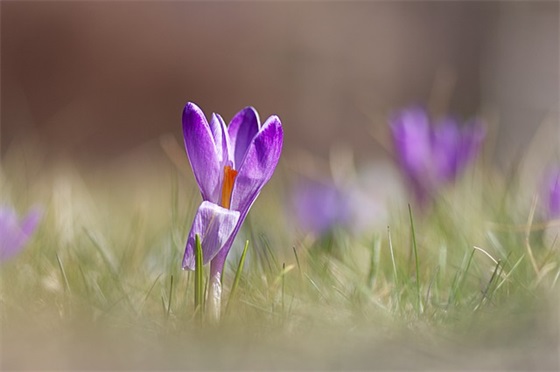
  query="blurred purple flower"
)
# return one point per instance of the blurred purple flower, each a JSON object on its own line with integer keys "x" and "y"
{"x": 231, "y": 165}
{"x": 431, "y": 155}
{"x": 552, "y": 193}
{"x": 319, "y": 207}
{"x": 14, "y": 233}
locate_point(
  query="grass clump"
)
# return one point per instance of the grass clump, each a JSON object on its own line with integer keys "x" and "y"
{"x": 101, "y": 285}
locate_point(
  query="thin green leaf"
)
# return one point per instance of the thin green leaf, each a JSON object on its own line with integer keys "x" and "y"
{"x": 198, "y": 278}
{"x": 61, "y": 267}
{"x": 414, "y": 247}
{"x": 237, "y": 276}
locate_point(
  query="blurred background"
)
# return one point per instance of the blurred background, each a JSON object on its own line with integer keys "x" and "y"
{"x": 99, "y": 80}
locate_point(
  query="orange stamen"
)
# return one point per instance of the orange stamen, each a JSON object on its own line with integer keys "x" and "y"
{"x": 227, "y": 185}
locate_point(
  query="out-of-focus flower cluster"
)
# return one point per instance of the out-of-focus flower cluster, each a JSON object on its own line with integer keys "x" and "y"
{"x": 357, "y": 204}
{"x": 320, "y": 206}
{"x": 432, "y": 154}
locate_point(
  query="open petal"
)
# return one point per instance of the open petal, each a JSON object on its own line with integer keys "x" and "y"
{"x": 258, "y": 165}
{"x": 201, "y": 151}
{"x": 242, "y": 130}
{"x": 214, "y": 225}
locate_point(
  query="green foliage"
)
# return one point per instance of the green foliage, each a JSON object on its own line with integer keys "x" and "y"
{"x": 198, "y": 278}
{"x": 105, "y": 264}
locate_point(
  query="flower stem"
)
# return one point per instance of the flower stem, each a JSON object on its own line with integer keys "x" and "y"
{"x": 214, "y": 295}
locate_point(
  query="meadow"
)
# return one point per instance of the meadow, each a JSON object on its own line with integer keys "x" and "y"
{"x": 470, "y": 282}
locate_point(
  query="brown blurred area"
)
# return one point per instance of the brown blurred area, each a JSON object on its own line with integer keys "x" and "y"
{"x": 94, "y": 80}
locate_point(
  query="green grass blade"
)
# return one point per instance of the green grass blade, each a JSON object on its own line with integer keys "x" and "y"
{"x": 237, "y": 276}
{"x": 110, "y": 261}
{"x": 297, "y": 260}
{"x": 272, "y": 261}
{"x": 414, "y": 247}
{"x": 486, "y": 293}
{"x": 107, "y": 256}
{"x": 170, "y": 297}
{"x": 61, "y": 267}
{"x": 374, "y": 263}
{"x": 198, "y": 278}
{"x": 395, "y": 276}
{"x": 461, "y": 280}
{"x": 149, "y": 292}
{"x": 506, "y": 277}
{"x": 283, "y": 287}
{"x": 163, "y": 304}
{"x": 85, "y": 281}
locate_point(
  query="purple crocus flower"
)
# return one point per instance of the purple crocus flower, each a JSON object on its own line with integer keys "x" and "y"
{"x": 14, "y": 233}
{"x": 231, "y": 165}
{"x": 431, "y": 155}
{"x": 552, "y": 193}
{"x": 320, "y": 206}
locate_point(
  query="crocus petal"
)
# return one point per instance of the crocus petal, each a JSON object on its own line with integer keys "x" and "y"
{"x": 551, "y": 192}
{"x": 220, "y": 134}
{"x": 242, "y": 129}
{"x": 554, "y": 200}
{"x": 446, "y": 145}
{"x": 13, "y": 233}
{"x": 258, "y": 165}
{"x": 214, "y": 225}
{"x": 411, "y": 135}
{"x": 202, "y": 152}
{"x": 10, "y": 234}
{"x": 217, "y": 134}
{"x": 431, "y": 156}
